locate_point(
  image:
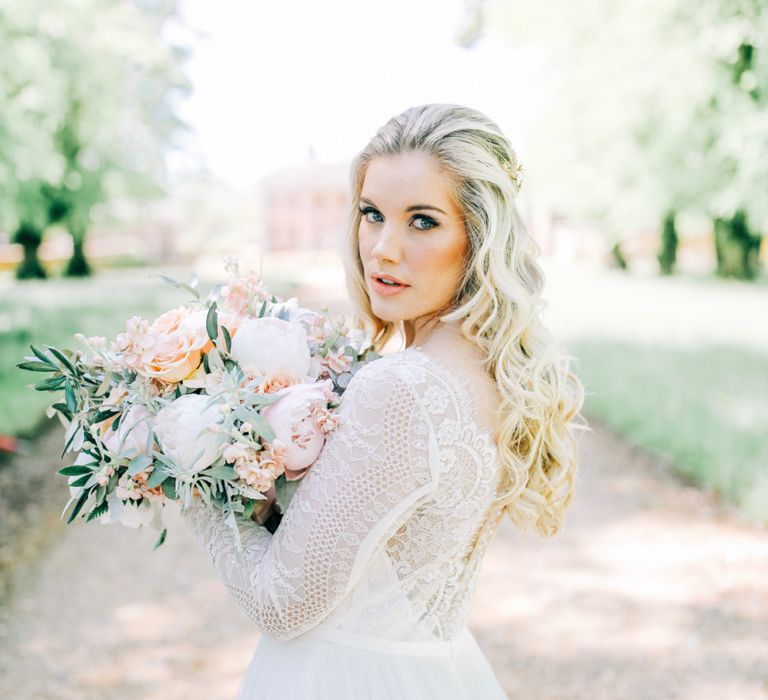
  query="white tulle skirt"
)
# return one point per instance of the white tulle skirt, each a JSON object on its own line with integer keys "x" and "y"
{"x": 309, "y": 667}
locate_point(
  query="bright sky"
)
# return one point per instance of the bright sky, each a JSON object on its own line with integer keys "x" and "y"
{"x": 274, "y": 79}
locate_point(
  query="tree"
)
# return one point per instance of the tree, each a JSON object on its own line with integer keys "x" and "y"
{"x": 658, "y": 106}
{"x": 668, "y": 252}
{"x": 90, "y": 114}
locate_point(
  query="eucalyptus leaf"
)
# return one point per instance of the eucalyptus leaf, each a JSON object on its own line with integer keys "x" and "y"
{"x": 285, "y": 491}
{"x": 69, "y": 395}
{"x": 101, "y": 416}
{"x": 41, "y": 355}
{"x": 161, "y": 539}
{"x": 262, "y": 427}
{"x": 179, "y": 285}
{"x": 221, "y": 472}
{"x": 212, "y": 323}
{"x": 76, "y": 470}
{"x": 215, "y": 361}
{"x": 62, "y": 408}
{"x": 51, "y": 384}
{"x": 248, "y": 506}
{"x": 61, "y": 357}
{"x": 79, "y": 505}
{"x": 74, "y": 437}
{"x": 260, "y": 400}
{"x": 157, "y": 477}
{"x": 81, "y": 481}
{"x": 34, "y": 366}
{"x": 104, "y": 385}
{"x": 169, "y": 489}
{"x": 231, "y": 521}
{"x": 137, "y": 464}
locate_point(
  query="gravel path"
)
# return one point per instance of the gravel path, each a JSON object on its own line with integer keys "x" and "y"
{"x": 653, "y": 591}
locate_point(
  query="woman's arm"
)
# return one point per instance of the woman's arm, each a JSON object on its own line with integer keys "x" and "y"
{"x": 373, "y": 472}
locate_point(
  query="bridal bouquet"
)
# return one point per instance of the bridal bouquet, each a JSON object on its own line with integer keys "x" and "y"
{"x": 227, "y": 399}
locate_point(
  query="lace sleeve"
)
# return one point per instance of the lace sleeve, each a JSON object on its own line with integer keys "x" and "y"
{"x": 375, "y": 469}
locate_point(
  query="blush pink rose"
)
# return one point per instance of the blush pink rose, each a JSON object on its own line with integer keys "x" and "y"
{"x": 292, "y": 419}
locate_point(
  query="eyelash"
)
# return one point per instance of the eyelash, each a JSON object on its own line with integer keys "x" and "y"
{"x": 429, "y": 219}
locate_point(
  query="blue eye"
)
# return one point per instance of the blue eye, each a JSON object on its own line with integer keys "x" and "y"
{"x": 370, "y": 210}
{"x": 431, "y": 223}
{"x": 427, "y": 222}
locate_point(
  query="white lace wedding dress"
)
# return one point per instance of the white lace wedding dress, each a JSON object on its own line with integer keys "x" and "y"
{"x": 363, "y": 591}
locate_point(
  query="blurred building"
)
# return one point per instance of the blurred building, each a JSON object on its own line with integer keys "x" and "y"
{"x": 303, "y": 207}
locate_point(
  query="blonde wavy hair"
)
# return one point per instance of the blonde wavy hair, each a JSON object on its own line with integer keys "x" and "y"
{"x": 498, "y": 303}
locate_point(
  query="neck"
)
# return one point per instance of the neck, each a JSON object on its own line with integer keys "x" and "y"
{"x": 418, "y": 332}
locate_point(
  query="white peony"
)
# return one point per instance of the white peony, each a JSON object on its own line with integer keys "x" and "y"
{"x": 293, "y": 422}
{"x": 270, "y": 346}
{"x": 181, "y": 429}
{"x": 132, "y": 436}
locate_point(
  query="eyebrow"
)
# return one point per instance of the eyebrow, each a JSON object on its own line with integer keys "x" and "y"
{"x": 413, "y": 207}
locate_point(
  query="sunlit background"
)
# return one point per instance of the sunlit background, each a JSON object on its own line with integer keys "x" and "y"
{"x": 148, "y": 137}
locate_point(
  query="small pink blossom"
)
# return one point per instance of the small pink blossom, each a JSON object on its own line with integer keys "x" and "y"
{"x": 237, "y": 451}
{"x": 318, "y": 330}
{"x": 241, "y": 294}
{"x": 338, "y": 361}
{"x": 325, "y": 419}
{"x": 104, "y": 473}
{"x": 127, "y": 488}
{"x": 141, "y": 480}
{"x": 259, "y": 469}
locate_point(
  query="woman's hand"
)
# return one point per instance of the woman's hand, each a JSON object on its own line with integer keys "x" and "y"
{"x": 263, "y": 509}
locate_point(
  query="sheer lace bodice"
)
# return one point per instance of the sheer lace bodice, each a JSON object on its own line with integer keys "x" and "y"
{"x": 382, "y": 543}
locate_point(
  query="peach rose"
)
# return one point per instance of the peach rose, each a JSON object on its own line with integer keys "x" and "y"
{"x": 178, "y": 342}
{"x": 277, "y": 382}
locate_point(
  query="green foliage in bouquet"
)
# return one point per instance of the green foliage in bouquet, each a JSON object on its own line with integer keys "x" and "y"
{"x": 195, "y": 404}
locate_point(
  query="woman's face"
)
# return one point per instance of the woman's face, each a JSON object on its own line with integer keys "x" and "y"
{"x": 411, "y": 230}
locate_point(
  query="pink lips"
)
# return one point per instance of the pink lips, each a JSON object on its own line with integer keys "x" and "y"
{"x": 386, "y": 289}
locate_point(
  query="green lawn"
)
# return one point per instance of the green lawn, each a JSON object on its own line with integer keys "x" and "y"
{"x": 677, "y": 365}
{"x": 51, "y": 312}
{"x": 705, "y": 408}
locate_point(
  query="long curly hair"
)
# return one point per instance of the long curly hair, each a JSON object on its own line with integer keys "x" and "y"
{"x": 498, "y": 304}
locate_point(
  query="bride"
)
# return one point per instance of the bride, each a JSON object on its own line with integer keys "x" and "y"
{"x": 363, "y": 591}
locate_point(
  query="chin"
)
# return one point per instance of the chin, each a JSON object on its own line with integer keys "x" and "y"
{"x": 385, "y": 315}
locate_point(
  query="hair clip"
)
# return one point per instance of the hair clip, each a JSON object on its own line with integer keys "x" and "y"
{"x": 514, "y": 170}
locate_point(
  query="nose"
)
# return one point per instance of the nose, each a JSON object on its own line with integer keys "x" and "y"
{"x": 388, "y": 246}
